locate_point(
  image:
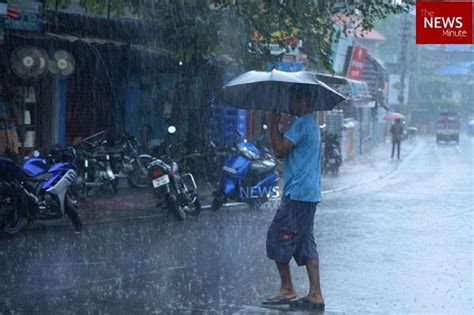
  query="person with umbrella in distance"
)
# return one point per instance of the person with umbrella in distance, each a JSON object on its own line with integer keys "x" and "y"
{"x": 290, "y": 234}
{"x": 291, "y": 231}
{"x": 397, "y": 131}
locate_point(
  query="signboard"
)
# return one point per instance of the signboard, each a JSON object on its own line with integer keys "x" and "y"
{"x": 356, "y": 65}
{"x": 395, "y": 88}
{"x": 30, "y": 15}
{"x": 286, "y": 66}
{"x": 341, "y": 49}
{"x": 444, "y": 22}
{"x": 276, "y": 49}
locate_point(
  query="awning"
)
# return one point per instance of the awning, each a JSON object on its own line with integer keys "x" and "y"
{"x": 139, "y": 56}
{"x": 134, "y": 31}
{"x": 91, "y": 40}
{"x": 356, "y": 92}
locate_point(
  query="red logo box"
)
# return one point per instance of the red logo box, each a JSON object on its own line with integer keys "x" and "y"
{"x": 444, "y": 22}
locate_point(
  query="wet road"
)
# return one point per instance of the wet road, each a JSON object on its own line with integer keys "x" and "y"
{"x": 398, "y": 244}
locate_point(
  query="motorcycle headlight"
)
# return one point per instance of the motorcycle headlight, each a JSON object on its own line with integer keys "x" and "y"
{"x": 247, "y": 153}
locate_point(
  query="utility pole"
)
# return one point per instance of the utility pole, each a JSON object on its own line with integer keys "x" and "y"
{"x": 405, "y": 34}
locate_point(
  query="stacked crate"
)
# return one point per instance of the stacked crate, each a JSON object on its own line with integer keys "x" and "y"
{"x": 224, "y": 121}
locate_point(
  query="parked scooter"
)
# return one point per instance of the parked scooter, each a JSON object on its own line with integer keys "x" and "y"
{"x": 127, "y": 163}
{"x": 177, "y": 192}
{"x": 248, "y": 176}
{"x": 36, "y": 192}
{"x": 332, "y": 154}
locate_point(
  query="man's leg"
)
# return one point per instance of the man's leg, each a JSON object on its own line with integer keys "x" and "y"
{"x": 286, "y": 287}
{"x": 315, "y": 294}
{"x": 393, "y": 148}
{"x": 398, "y": 149}
{"x": 280, "y": 247}
{"x": 307, "y": 253}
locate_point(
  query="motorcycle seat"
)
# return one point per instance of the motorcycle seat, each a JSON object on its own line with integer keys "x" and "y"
{"x": 114, "y": 150}
{"x": 263, "y": 166}
{"x": 36, "y": 178}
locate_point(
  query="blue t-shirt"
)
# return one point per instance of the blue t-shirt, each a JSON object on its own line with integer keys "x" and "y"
{"x": 302, "y": 165}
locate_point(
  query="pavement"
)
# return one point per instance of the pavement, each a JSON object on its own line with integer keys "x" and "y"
{"x": 393, "y": 237}
{"x": 130, "y": 203}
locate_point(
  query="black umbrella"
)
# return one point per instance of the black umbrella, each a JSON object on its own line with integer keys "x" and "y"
{"x": 268, "y": 91}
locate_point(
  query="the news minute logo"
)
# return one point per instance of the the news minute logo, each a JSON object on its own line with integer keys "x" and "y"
{"x": 444, "y": 22}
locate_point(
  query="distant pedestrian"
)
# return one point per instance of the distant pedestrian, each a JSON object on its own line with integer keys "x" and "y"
{"x": 9, "y": 118}
{"x": 290, "y": 234}
{"x": 396, "y": 130}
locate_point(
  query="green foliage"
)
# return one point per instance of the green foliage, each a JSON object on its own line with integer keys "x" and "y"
{"x": 434, "y": 93}
{"x": 59, "y": 4}
{"x": 312, "y": 21}
{"x": 196, "y": 28}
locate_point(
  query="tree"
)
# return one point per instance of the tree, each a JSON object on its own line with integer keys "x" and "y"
{"x": 434, "y": 93}
{"x": 197, "y": 28}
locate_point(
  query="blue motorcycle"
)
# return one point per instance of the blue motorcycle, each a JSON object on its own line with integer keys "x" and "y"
{"x": 248, "y": 176}
{"x": 36, "y": 192}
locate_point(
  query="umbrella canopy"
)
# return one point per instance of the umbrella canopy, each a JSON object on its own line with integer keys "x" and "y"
{"x": 393, "y": 116}
{"x": 268, "y": 91}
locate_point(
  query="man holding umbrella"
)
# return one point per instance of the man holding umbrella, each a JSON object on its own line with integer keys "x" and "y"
{"x": 291, "y": 231}
{"x": 397, "y": 131}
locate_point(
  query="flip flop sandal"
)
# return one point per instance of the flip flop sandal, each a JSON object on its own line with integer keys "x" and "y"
{"x": 307, "y": 305}
{"x": 279, "y": 300}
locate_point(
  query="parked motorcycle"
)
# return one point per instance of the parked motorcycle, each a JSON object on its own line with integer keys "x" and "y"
{"x": 36, "y": 192}
{"x": 178, "y": 192}
{"x": 127, "y": 163}
{"x": 332, "y": 154}
{"x": 202, "y": 161}
{"x": 248, "y": 176}
{"x": 94, "y": 166}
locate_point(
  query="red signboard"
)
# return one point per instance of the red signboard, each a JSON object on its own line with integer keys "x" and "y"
{"x": 356, "y": 65}
{"x": 444, "y": 22}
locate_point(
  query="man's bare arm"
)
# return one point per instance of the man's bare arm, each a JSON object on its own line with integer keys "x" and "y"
{"x": 280, "y": 145}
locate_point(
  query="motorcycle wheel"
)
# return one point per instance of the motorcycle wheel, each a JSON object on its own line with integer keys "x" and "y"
{"x": 13, "y": 222}
{"x": 256, "y": 204}
{"x": 114, "y": 186}
{"x": 79, "y": 189}
{"x": 218, "y": 201}
{"x": 197, "y": 208}
{"x": 137, "y": 178}
{"x": 71, "y": 212}
{"x": 174, "y": 207}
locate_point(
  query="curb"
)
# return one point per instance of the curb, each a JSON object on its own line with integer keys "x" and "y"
{"x": 235, "y": 204}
